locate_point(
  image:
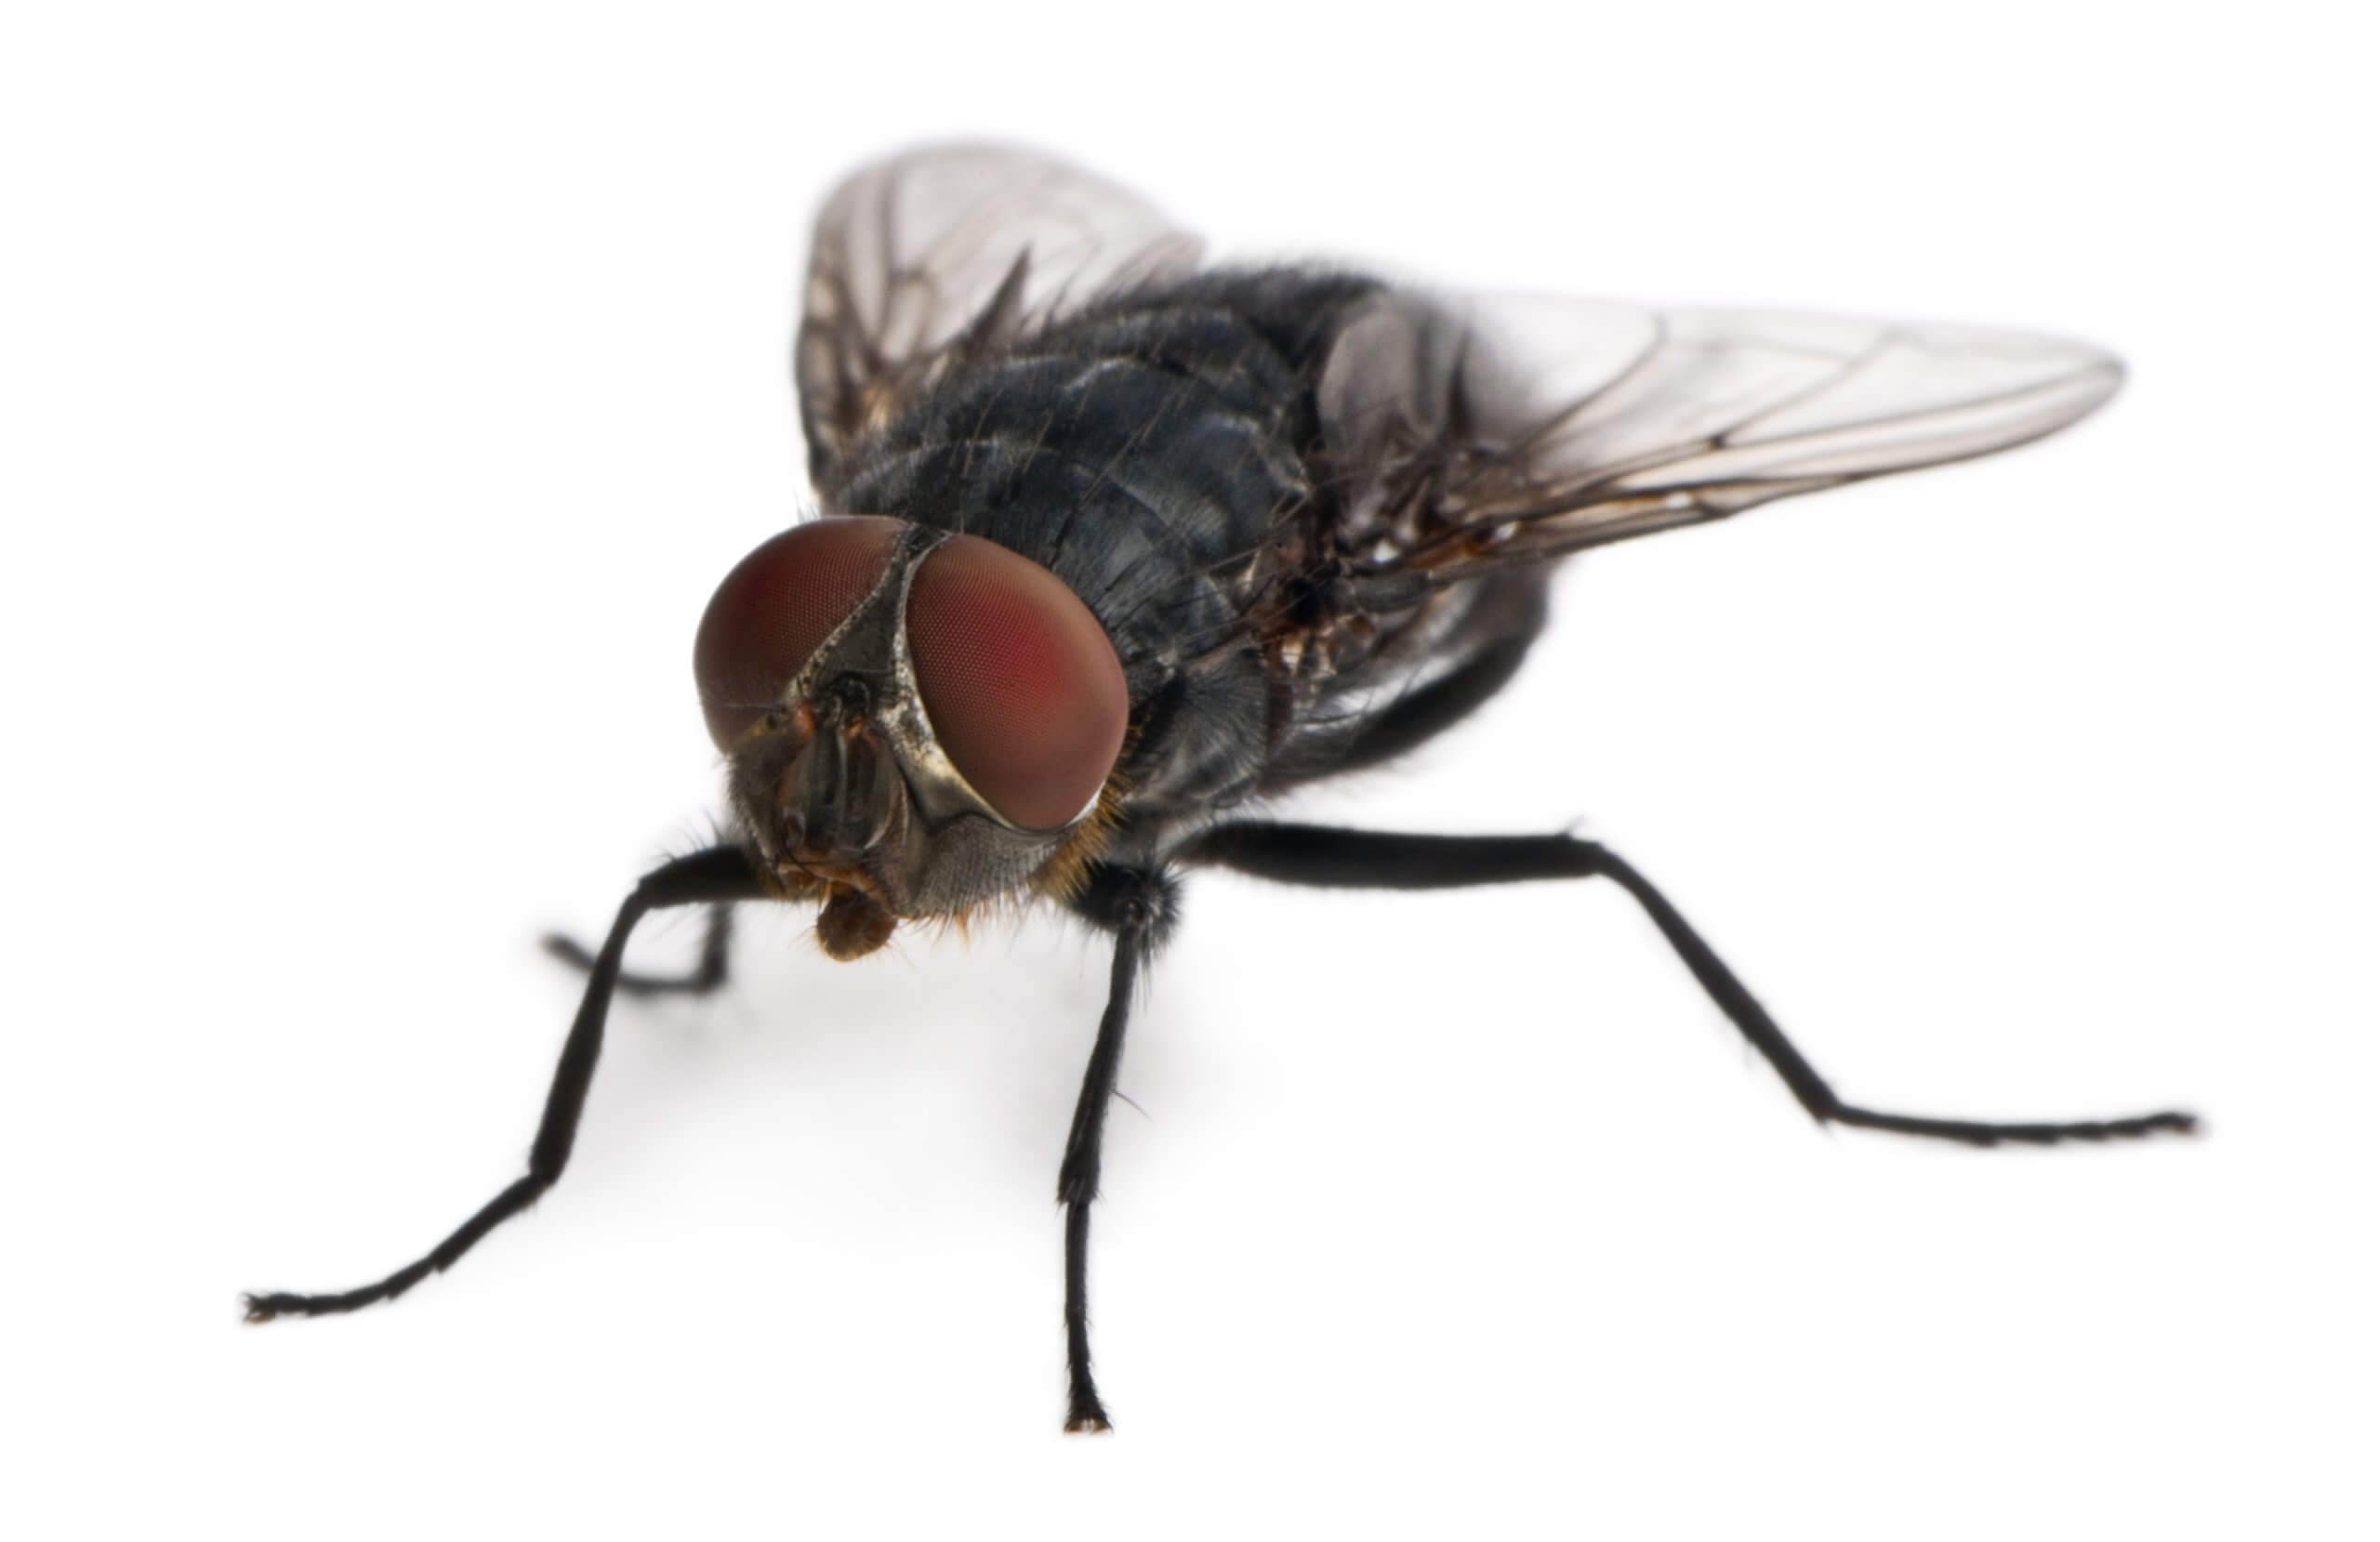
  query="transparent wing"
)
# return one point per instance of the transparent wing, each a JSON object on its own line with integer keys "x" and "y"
{"x": 916, "y": 257}
{"x": 1506, "y": 430}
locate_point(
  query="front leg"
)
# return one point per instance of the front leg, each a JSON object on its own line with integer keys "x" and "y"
{"x": 1331, "y": 858}
{"x": 1137, "y": 906}
{"x": 718, "y": 877}
{"x": 707, "y": 975}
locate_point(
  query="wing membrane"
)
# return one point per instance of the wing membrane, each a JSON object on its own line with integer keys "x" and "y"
{"x": 1503, "y": 430}
{"x": 914, "y": 257}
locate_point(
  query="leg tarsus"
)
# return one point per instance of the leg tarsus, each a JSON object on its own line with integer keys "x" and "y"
{"x": 1085, "y": 1414}
{"x": 2165, "y": 1122}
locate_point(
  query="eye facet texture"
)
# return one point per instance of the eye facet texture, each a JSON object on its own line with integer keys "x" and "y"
{"x": 774, "y": 609}
{"x": 1023, "y": 687}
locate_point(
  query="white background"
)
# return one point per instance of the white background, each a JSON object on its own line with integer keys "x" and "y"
{"x": 383, "y": 398}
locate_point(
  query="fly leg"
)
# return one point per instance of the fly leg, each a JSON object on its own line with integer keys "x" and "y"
{"x": 717, "y": 876}
{"x": 1366, "y": 859}
{"x": 1137, "y": 906}
{"x": 707, "y": 975}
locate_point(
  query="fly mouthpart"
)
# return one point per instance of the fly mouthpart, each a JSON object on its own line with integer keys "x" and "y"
{"x": 853, "y": 924}
{"x": 841, "y": 800}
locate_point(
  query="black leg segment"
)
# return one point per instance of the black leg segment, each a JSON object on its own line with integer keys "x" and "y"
{"x": 1137, "y": 906}
{"x": 1364, "y": 859}
{"x": 707, "y": 975}
{"x": 717, "y": 876}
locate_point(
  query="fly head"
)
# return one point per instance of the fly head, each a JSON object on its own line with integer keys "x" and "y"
{"x": 915, "y": 721}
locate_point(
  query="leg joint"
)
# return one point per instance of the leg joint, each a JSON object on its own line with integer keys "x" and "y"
{"x": 1129, "y": 902}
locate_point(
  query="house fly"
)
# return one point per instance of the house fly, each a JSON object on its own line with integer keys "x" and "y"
{"x": 1112, "y": 546}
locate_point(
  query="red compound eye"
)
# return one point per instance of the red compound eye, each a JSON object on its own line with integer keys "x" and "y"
{"x": 1019, "y": 678}
{"x": 772, "y": 613}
